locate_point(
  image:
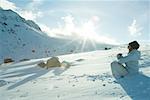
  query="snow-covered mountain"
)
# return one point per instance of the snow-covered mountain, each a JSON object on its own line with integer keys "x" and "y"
{"x": 23, "y": 39}
{"x": 88, "y": 78}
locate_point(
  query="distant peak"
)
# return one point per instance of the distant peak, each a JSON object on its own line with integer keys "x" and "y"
{"x": 16, "y": 17}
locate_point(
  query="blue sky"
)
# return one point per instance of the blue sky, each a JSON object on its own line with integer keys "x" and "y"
{"x": 111, "y": 21}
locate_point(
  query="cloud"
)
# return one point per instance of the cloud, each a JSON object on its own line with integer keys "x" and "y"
{"x": 48, "y": 31}
{"x": 83, "y": 30}
{"x": 31, "y": 11}
{"x": 30, "y": 15}
{"x": 5, "y": 4}
{"x": 34, "y": 4}
{"x": 134, "y": 29}
{"x": 69, "y": 26}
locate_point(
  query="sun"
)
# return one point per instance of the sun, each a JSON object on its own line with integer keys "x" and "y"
{"x": 87, "y": 35}
{"x": 88, "y": 30}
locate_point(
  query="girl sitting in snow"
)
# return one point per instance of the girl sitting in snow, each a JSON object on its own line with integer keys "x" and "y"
{"x": 130, "y": 61}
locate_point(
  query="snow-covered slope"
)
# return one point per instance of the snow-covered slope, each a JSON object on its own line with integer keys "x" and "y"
{"x": 88, "y": 78}
{"x": 23, "y": 39}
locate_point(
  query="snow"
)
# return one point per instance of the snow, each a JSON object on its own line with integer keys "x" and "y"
{"x": 88, "y": 78}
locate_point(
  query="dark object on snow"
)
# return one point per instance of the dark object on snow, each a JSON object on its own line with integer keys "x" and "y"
{"x": 42, "y": 64}
{"x": 8, "y": 60}
{"x": 71, "y": 51}
{"x": 53, "y": 62}
{"x": 33, "y": 50}
{"x": 134, "y": 45}
{"x": 79, "y": 60}
{"x": 24, "y": 59}
{"x": 4, "y": 23}
{"x": 122, "y": 77}
{"x": 107, "y": 48}
{"x": 104, "y": 84}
